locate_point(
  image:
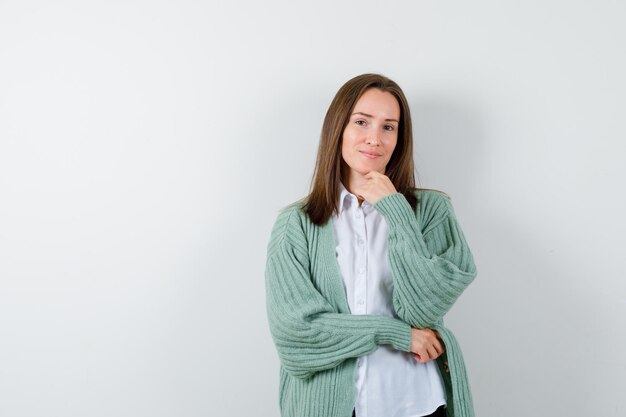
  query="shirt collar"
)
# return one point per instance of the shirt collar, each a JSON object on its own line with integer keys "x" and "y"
{"x": 343, "y": 195}
{"x": 346, "y": 198}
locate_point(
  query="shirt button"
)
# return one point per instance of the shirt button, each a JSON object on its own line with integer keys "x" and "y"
{"x": 361, "y": 271}
{"x": 360, "y": 302}
{"x": 358, "y": 215}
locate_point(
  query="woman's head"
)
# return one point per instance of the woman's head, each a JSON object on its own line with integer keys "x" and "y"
{"x": 370, "y": 136}
{"x": 344, "y": 141}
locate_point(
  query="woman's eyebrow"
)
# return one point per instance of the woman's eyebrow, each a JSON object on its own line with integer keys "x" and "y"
{"x": 371, "y": 117}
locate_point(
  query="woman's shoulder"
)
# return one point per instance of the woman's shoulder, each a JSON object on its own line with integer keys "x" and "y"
{"x": 289, "y": 217}
{"x": 430, "y": 193}
{"x": 296, "y": 208}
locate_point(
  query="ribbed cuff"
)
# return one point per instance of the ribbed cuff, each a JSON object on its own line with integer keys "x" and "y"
{"x": 396, "y": 209}
{"x": 401, "y": 219}
{"x": 397, "y": 334}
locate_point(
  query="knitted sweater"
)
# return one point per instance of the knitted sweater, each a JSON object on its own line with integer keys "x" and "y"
{"x": 317, "y": 338}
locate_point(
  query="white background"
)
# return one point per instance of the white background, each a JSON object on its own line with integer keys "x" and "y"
{"x": 147, "y": 146}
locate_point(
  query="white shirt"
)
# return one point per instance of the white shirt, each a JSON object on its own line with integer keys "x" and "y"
{"x": 388, "y": 382}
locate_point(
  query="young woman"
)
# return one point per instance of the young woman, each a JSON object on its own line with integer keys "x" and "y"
{"x": 361, "y": 272}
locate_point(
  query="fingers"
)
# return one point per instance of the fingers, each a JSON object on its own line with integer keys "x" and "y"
{"x": 434, "y": 351}
{"x": 426, "y": 345}
{"x": 428, "y": 356}
{"x": 372, "y": 174}
{"x": 377, "y": 187}
{"x": 438, "y": 347}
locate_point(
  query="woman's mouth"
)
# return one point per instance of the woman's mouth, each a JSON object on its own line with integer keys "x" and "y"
{"x": 370, "y": 155}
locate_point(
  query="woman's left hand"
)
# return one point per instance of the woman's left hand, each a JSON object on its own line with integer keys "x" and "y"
{"x": 377, "y": 186}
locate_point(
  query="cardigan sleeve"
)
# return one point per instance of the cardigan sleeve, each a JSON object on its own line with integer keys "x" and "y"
{"x": 309, "y": 333}
{"x": 430, "y": 270}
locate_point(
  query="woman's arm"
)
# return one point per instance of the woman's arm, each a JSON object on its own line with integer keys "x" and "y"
{"x": 430, "y": 271}
{"x": 309, "y": 334}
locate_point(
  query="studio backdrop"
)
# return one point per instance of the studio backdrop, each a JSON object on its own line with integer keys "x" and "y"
{"x": 146, "y": 148}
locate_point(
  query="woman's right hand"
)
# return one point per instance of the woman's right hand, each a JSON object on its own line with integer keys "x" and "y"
{"x": 426, "y": 345}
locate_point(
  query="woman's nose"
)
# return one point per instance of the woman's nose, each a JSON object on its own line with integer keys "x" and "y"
{"x": 372, "y": 139}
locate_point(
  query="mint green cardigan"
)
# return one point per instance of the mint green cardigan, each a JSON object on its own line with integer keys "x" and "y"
{"x": 317, "y": 338}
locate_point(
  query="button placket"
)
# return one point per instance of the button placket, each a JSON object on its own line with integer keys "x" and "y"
{"x": 360, "y": 286}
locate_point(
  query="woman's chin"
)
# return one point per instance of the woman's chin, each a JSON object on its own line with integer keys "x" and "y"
{"x": 366, "y": 169}
{"x": 376, "y": 168}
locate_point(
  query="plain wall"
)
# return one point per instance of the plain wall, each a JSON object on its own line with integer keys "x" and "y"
{"x": 147, "y": 146}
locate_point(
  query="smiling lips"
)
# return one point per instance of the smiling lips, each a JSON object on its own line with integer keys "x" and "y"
{"x": 370, "y": 155}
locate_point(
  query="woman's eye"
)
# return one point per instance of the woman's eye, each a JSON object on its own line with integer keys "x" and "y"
{"x": 360, "y": 122}
{"x": 389, "y": 128}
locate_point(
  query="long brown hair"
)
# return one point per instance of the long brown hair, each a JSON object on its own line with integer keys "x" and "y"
{"x": 321, "y": 202}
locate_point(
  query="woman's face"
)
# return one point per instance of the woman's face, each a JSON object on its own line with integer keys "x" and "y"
{"x": 371, "y": 133}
